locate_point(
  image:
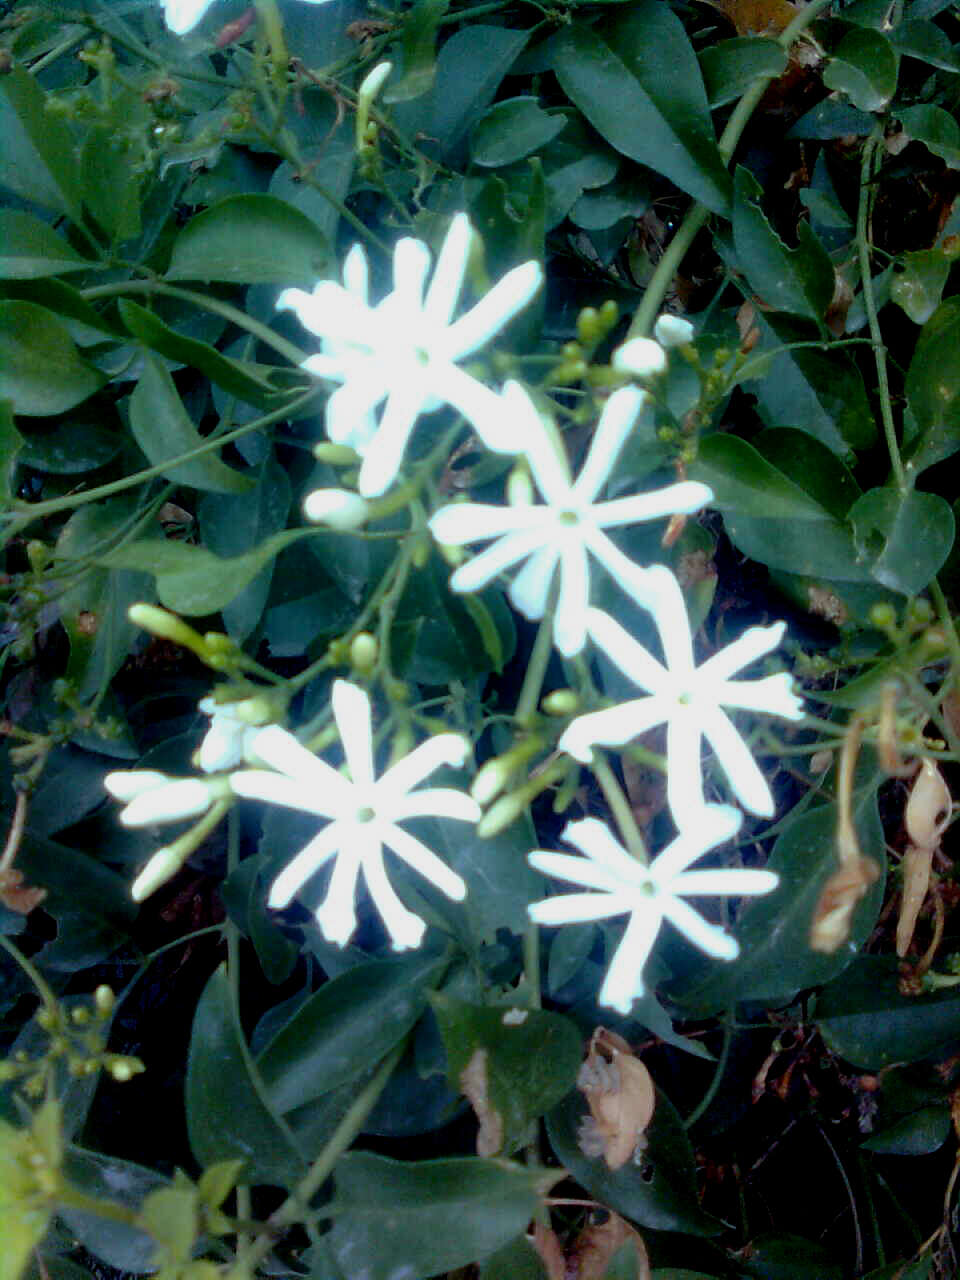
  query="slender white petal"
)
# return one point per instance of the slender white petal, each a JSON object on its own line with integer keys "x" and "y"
{"x": 351, "y": 710}
{"x": 530, "y": 589}
{"x": 709, "y": 938}
{"x": 736, "y": 882}
{"x": 443, "y": 749}
{"x": 423, "y": 860}
{"x": 748, "y": 783}
{"x": 504, "y": 553}
{"x": 222, "y": 745}
{"x": 382, "y": 463}
{"x": 687, "y": 496}
{"x": 773, "y": 695}
{"x": 755, "y": 643}
{"x": 582, "y": 871}
{"x": 337, "y": 914}
{"x": 629, "y": 655}
{"x": 542, "y": 447}
{"x": 482, "y": 407}
{"x": 447, "y": 281}
{"x": 356, "y": 271}
{"x": 436, "y": 802}
{"x": 612, "y": 727}
{"x": 293, "y": 793}
{"x": 624, "y": 980}
{"x": 349, "y": 408}
{"x": 411, "y": 263}
{"x": 280, "y": 750}
{"x": 463, "y": 522}
{"x": 616, "y": 421}
{"x": 594, "y": 839}
{"x": 684, "y": 768}
{"x": 308, "y": 861}
{"x": 718, "y": 823}
{"x": 574, "y": 908}
{"x": 405, "y": 929}
{"x": 495, "y": 309}
{"x": 570, "y": 618}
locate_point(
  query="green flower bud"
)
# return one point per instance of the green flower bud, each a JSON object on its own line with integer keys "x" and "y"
{"x": 491, "y": 779}
{"x": 337, "y": 455}
{"x": 503, "y": 814}
{"x": 104, "y": 1000}
{"x": 561, "y": 702}
{"x": 883, "y": 616}
{"x": 589, "y": 328}
{"x": 364, "y": 652}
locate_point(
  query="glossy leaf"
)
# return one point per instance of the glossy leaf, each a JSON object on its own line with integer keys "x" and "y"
{"x": 917, "y": 38}
{"x": 228, "y": 1117}
{"x": 30, "y": 249}
{"x": 936, "y": 129}
{"x": 11, "y": 442}
{"x": 521, "y": 1062}
{"x": 164, "y": 431}
{"x": 37, "y": 160}
{"x": 866, "y": 1021}
{"x": 420, "y": 1220}
{"x": 776, "y": 960}
{"x": 919, "y": 286}
{"x": 32, "y": 342}
{"x": 111, "y": 183}
{"x": 907, "y": 536}
{"x": 656, "y": 1188}
{"x": 864, "y": 67}
{"x": 789, "y": 1257}
{"x": 512, "y": 129}
{"x": 620, "y": 109}
{"x": 418, "y": 46}
{"x": 916, "y": 1134}
{"x": 470, "y": 67}
{"x": 241, "y": 379}
{"x": 346, "y": 1027}
{"x": 933, "y": 389}
{"x": 799, "y": 281}
{"x": 730, "y": 67}
{"x": 124, "y": 1247}
{"x": 250, "y": 239}
{"x": 71, "y": 446}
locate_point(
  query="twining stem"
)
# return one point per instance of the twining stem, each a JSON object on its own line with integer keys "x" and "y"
{"x": 537, "y": 663}
{"x": 619, "y": 806}
{"x": 867, "y": 169}
{"x": 697, "y": 215}
{"x": 718, "y": 1074}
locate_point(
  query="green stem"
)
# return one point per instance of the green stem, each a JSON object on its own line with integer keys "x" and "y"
{"x": 537, "y": 663}
{"x": 240, "y": 318}
{"x": 46, "y": 995}
{"x": 867, "y": 169}
{"x": 37, "y": 510}
{"x": 717, "y": 1077}
{"x": 70, "y": 1198}
{"x": 296, "y": 1205}
{"x": 619, "y": 807}
{"x": 269, "y": 15}
{"x": 531, "y": 962}
{"x": 697, "y": 215}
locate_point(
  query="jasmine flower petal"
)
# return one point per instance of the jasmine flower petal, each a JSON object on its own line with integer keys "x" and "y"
{"x": 308, "y": 861}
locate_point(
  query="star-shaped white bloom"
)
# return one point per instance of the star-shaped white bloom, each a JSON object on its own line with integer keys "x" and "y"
{"x": 688, "y": 699}
{"x": 364, "y": 812}
{"x": 405, "y": 349}
{"x": 621, "y": 884}
{"x": 232, "y": 725}
{"x": 568, "y": 526}
{"x": 150, "y": 796}
{"x": 183, "y": 15}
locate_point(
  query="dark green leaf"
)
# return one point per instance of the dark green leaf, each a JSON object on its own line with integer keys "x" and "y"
{"x": 238, "y": 378}
{"x": 420, "y": 1220}
{"x": 418, "y": 45}
{"x": 799, "y": 280}
{"x": 521, "y": 1061}
{"x": 925, "y": 41}
{"x": 519, "y": 1260}
{"x": 470, "y": 67}
{"x": 111, "y": 185}
{"x": 933, "y": 389}
{"x": 71, "y": 446}
{"x": 33, "y": 342}
{"x": 228, "y": 1117}
{"x": 917, "y": 1134}
{"x": 919, "y": 286}
{"x": 101, "y": 1177}
{"x": 908, "y": 536}
{"x": 30, "y": 249}
{"x": 11, "y": 442}
{"x": 512, "y": 129}
{"x": 164, "y": 431}
{"x": 619, "y": 108}
{"x": 348, "y": 1025}
{"x": 731, "y": 66}
{"x": 832, "y": 118}
{"x": 786, "y": 1257}
{"x": 936, "y": 129}
{"x": 864, "y": 1018}
{"x": 864, "y": 67}
{"x": 656, "y": 1188}
{"x": 250, "y": 239}
{"x": 85, "y": 324}
{"x": 37, "y": 160}
{"x": 775, "y": 958}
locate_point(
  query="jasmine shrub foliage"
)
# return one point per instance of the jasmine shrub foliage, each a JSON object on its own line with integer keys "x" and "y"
{"x": 480, "y": 650}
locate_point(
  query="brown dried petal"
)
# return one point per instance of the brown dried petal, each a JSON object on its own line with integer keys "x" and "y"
{"x": 833, "y": 915}
{"x": 928, "y": 808}
{"x": 473, "y": 1084}
{"x": 916, "y": 865}
{"x": 595, "y": 1246}
{"x": 620, "y": 1094}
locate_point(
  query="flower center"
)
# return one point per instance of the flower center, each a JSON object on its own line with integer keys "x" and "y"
{"x": 365, "y": 814}
{"x": 569, "y": 517}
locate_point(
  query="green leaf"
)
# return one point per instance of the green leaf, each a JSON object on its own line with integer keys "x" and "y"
{"x": 11, "y": 442}
{"x": 470, "y": 67}
{"x": 345, "y": 1027}
{"x": 788, "y": 1257}
{"x": 418, "y": 46}
{"x": 33, "y": 343}
{"x": 864, "y": 67}
{"x": 656, "y": 1188}
{"x": 125, "y": 1248}
{"x": 71, "y": 446}
{"x": 865, "y": 1020}
{"x": 775, "y": 958}
{"x": 250, "y": 239}
{"x": 919, "y": 286}
{"x": 30, "y": 249}
{"x": 744, "y": 481}
{"x": 800, "y": 280}
{"x": 620, "y": 109}
{"x": 917, "y": 1134}
{"x": 86, "y": 325}
{"x": 164, "y": 431}
{"x": 421, "y": 1220}
{"x": 512, "y": 129}
{"x": 517, "y": 1063}
{"x": 192, "y": 580}
{"x": 925, "y": 41}
{"x": 731, "y": 66}
{"x": 239, "y": 378}
{"x": 936, "y": 129}
{"x": 908, "y": 536}
{"x": 228, "y": 1117}
{"x": 519, "y": 1260}
{"x": 37, "y": 160}
{"x": 111, "y": 184}
{"x": 933, "y": 389}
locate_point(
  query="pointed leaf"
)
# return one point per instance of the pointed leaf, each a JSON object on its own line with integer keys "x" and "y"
{"x": 933, "y": 389}
{"x": 30, "y": 249}
{"x": 250, "y": 239}
{"x": 37, "y": 160}
{"x": 908, "y": 536}
{"x": 33, "y": 343}
{"x": 864, "y": 67}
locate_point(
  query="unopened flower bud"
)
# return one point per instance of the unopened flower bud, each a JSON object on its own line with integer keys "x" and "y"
{"x": 122, "y": 1068}
{"x": 364, "y": 652}
{"x": 491, "y": 778}
{"x": 503, "y": 814}
{"x": 337, "y": 508}
{"x": 163, "y": 866}
{"x": 640, "y": 356}
{"x": 104, "y": 1000}
{"x": 673, "y": 331}
{"x": 159, "y": 622}
{"x": 561, "y": 702}
{"x": 520, "y": 486}
{"x": 883, "y": 616}
{"x": 337, "y": 455}
{"x": 589, "y": 328}
{"x": 38, "y": 553}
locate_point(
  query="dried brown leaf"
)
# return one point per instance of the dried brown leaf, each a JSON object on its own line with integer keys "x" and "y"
{"x": 551, "y": 1254}
{"x": 473, "y": 1084}
{"x": 916, "y": 866}
{"x": 833, "y": 914}
{"x": 757, "y": 17}
{"x": 621, "y": 1097}
{"x": 595, "y": 1246}
{"x": 17, "y": 896}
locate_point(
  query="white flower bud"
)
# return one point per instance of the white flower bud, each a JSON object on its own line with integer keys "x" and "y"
{"x": 673, "y": 331}
{"x": 163, "y": 866}
{"x": 640, "y": 356}
{"x": 337, "y": 508}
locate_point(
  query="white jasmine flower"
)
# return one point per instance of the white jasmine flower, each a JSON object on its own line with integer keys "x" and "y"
{"x": 150, "y": 796}
{"x": 672, "y": 331}
{"x": 568, "y": 526}
{"x": 640, "y": 356}
{"x": 364, "y": 812}
{"x": 689, "y": 700}
{"x": 405, "y": 349}
{"x": 183, "y": 15}
{"x": 231, "y": 726}
{"x": 622, "y": 884}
